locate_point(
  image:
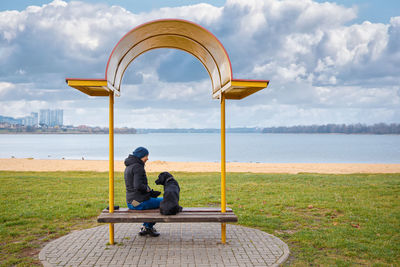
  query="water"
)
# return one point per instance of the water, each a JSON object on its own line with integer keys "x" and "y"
{"x": 246, "y": 147}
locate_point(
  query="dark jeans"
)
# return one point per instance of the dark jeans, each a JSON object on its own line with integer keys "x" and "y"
{"x": 152, "y": 203}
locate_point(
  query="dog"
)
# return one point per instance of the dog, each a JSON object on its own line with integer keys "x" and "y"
{"x": 170, "y": 204}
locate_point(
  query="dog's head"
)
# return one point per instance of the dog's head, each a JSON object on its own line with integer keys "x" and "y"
{"x": 162, "y": 178}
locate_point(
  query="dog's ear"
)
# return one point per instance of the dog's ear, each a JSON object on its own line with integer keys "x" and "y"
{"x": 161, "y": 178}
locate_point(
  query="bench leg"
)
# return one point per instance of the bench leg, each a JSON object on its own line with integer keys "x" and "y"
{"x": 223, "y": 233}
{"x": 111, "y": 234}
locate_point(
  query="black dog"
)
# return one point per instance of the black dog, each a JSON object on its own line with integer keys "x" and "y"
{"x": 170, "y": 203}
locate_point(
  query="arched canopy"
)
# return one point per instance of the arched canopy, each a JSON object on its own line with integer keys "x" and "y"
{"x": 171, "y": 33}
{"x": 177, "y": 34}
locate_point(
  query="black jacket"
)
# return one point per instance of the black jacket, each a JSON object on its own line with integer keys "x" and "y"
{"x": 136, "y": 180}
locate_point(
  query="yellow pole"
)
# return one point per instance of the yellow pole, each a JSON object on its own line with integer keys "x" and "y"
{"x": 111, "y": 163}
{"x": 223, "y": 168}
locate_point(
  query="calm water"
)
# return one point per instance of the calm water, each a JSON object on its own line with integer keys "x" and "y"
{"x": 274, "y": 148}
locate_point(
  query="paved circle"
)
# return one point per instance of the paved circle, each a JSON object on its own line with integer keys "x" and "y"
{"x": 182, "y": 244}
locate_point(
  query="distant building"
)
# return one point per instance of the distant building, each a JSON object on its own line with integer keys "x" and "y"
{"x": 59, "y": 117}
{"x": 48, "y": 117}
{"x": 44, "y": 117}
{"x": 35, "y": 118}
{"x": 31, "y": 120}
{"x": 51, "y": 118}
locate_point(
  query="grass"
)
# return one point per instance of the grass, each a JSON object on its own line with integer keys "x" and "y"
{"x": 326, "y": 220}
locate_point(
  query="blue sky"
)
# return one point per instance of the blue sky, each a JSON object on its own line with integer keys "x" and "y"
{"x": 371, "y": 10}
{"x": 328, "y": 62}
{"x": 376, "y": 11}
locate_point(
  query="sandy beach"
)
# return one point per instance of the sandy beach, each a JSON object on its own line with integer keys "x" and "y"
{"x": 15, "y": 164}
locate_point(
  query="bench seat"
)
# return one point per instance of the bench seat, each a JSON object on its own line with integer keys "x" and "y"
{"x": 188, "y": 215}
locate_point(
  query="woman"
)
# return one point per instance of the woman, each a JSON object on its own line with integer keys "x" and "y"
{"x": 139, "y": 196}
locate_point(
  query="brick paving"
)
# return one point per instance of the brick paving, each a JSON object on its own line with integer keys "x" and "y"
{"x": 180, "y": 244}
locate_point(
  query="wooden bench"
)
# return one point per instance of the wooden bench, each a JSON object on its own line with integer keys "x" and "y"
{"x": 189, "y": 215}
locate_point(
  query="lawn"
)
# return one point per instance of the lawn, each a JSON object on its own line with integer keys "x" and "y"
{"x": 325, "y": 219}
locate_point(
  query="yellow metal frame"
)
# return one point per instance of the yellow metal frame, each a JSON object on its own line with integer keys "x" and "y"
{"x": 92, "y": 87}
{"x": 223, "y": 168}
{"x": 111, "y": 164}
{"x": 239, "y": 89}
{"x": 176, "y": 34}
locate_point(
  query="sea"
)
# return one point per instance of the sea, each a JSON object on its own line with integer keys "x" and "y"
{"x": 205, "y": 147}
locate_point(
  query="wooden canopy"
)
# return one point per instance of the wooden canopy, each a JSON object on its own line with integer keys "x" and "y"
{"x": 176, "y": 34}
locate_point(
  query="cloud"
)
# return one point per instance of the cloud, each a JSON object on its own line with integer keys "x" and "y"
{"x": 322, "y": 67}
{"x": 5, "y": 87}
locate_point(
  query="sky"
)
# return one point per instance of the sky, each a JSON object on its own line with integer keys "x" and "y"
{"x": 327, "y": 62}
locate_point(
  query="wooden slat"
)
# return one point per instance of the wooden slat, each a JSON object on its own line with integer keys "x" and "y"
{"x": 157, "y": 217}
{"x": 188, "y": 214}
{"x": 188, "y": 209}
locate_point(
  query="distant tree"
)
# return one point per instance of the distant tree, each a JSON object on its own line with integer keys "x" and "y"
{"x": 379, "y": 128}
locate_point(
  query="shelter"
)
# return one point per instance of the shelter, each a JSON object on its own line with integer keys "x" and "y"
{"x": 176, "y": 34}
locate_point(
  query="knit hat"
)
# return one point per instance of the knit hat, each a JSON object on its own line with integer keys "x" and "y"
{"x": 140, "y": 152}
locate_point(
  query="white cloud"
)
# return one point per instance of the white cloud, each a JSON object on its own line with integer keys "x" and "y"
{"x": 205, "y": 13}
{"x": 165, "y": 117}
{"x": 21, "y": 108}
{"x": 5, "y": 87}
{"x": 322, "y": 68}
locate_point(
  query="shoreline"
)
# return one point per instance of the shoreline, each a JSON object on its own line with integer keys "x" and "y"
{"x": 41, "y": 165}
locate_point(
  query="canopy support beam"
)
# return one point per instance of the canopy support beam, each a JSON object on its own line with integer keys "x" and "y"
{"x": 111, "y": 163}
{"x": 223, "y": 168}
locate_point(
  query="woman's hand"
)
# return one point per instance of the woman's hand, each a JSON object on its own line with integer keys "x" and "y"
{"x": 154, "y": 193}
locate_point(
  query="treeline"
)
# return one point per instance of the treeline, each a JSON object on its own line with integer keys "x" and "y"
{"x": 6, "y": 128}
{"x": 379, "y": 128}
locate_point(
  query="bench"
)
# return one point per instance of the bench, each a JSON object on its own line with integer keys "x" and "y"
{"x": 188, "y": 215}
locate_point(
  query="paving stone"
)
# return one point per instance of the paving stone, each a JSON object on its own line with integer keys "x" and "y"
{"x": 180, "y": 244}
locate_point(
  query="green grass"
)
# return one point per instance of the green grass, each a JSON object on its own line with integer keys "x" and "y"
{"x": 326, "y": 220}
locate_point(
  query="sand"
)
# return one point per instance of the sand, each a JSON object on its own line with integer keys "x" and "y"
{"x": 16, "y": 164}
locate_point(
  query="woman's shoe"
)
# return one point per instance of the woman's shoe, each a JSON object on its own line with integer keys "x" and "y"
{"x": 153, "y": 232}
{"x": 149, "y": 231}
{"x": 143, "y": 231}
